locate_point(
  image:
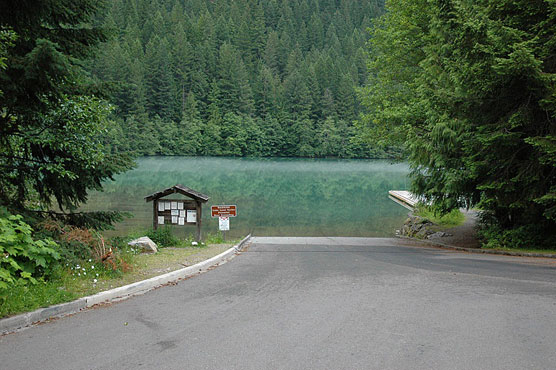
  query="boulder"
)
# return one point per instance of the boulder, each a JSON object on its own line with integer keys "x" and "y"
{"x": 422, "y": 234}
{"x": 145, "y": 243}
{"x": 438, "y": 234}
{"x": 416, "y": 227}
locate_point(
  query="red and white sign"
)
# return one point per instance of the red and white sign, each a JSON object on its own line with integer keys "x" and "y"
{"x": 223, "y": 211}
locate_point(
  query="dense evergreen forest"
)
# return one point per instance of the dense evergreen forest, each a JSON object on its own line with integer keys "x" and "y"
{"x": 236, "y": 77}
{"x": 468, "y": 88}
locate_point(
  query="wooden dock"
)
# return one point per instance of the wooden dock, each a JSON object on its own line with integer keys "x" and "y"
{"x": 404, "y": 198}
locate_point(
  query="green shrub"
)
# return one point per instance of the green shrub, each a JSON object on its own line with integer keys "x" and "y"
{"x": 72, "y": 245}
{"x": 214, "y": 238}
{"x": 23, "y": 259}
{"x": 493, "y": 236}
{"x": 163, "y": 237}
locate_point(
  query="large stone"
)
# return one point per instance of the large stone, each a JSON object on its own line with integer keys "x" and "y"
{"x": 438, "y": 234}
{"x": 422, "y": 234}
{"x": 145, "y": 243}
{"x": 415, "y": 228}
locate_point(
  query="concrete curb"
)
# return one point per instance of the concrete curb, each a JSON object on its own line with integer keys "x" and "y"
{"x": 478, "y": 250}
{"x": 15, "y": 323}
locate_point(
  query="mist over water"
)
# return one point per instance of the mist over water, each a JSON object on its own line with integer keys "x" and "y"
{"x": 275, "y": 197}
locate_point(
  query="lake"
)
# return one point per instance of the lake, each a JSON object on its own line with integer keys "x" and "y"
{"x": 274, "y": 197}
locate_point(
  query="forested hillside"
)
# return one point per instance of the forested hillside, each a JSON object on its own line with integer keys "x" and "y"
{"x": 236, "y": 77}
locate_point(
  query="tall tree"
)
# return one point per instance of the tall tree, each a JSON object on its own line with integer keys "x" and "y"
{"x": 467, "y": 87}
{"x": 50, "y": 126}
{"x": 160, "y": 80}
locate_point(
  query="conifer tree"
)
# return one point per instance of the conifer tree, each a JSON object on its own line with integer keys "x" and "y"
{"x": 160, "y": 81}
{"x": 51, "y": 127}
{"x": 466, "y": 86}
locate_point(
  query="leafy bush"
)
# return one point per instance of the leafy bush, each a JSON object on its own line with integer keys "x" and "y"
{"x": 533, "y": 237}
{"x": 74, "y": 243}
{"x": 79, "y": 244}
{"x": 23, "y": 259}
{"x": 163, "y": 237}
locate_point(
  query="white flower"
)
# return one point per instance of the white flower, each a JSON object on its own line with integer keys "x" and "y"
{"x": 97, "y": 275}
{"x": 84, "y": 273}
{"x": 90, "y": 260}
{"x": 95, "y": 280}
{"x": 93, "y": 267}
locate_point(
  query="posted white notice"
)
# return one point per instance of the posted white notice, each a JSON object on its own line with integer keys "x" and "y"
{"x": 191, "y": 215}
{"x": 223, "y": 223}
{"x": 161, "y": 220}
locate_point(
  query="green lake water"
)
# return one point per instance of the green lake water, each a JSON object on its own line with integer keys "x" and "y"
{"x": 274, "y": 197}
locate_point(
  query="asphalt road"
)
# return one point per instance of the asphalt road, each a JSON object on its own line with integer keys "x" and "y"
{"x": 323, "y": 303}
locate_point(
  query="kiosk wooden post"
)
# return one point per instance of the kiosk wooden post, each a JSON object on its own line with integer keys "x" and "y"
{"x": 155, "y": 214}
{"x": 199, "y": 220}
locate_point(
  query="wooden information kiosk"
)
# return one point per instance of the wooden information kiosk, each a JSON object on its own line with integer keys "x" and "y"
{"x": 178, "y": 211}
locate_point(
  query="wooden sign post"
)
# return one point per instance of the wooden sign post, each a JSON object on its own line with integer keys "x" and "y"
{"x": 223, "y": 213}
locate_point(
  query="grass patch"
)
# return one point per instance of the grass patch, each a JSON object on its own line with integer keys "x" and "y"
{"x": 24, "y": 298}
{"x": 451, "y": 219}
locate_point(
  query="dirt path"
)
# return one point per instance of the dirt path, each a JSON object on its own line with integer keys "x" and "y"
{"x": 464, "y": 235}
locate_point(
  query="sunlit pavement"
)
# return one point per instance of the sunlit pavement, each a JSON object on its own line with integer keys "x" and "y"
{"x": 318, "y": 303}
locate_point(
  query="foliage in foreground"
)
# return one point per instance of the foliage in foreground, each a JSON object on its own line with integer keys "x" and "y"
{"x": 469, "y": 89}
{"x": 37, "y": 272}
{"x": 23, "y": 259}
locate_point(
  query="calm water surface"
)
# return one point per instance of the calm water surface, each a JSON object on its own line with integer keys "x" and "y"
{"x": 275, "y": 197}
